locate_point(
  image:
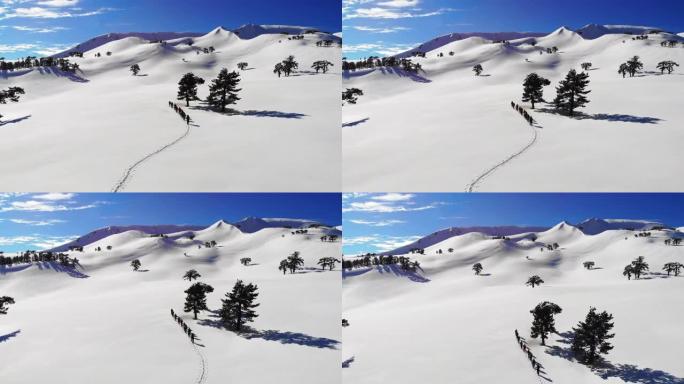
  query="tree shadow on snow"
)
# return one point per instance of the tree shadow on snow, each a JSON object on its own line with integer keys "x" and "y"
{"x": 286, "y": 337}
{"x": 8, "y": 336}
{"x": 355, "y": 123}
{"x": 347, "y": 363}
{"x": 13, "y": 121}
{"x": 254, "y": 113}
{"x": 57, "y": 267}
{"x": 59, "y": 73}
{"x": 5, "y": 269}
{"x": 629, "y": 373}
{"x": 397, "y": 271}
{"x": 606, "y": 117}
{"x": 402, "y": 73}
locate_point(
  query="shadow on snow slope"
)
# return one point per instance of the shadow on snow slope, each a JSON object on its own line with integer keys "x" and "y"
{"x": 387, "y": 269}
{"x": 284, "y": 337}
{"x": 17, "y": 120}
{"x": 607, "y": 117}
{"x": 10, "y": 335}
{"x": 629, "y": 373}
{"x": 255, "y": 113}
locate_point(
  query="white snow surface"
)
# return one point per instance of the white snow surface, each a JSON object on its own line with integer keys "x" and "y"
{"x": 85, "y": 131}
{"x": 103, "y": 322}
{"x": 446, "y": 129}
{"x": 446, "y": 325}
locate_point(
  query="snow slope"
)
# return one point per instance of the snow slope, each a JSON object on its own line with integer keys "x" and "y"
{"x": 441, "y": 41}
{"x": 446, "y": 129}
{"x": 105, "y": 323}
{"x": 86, "y": 131}
{"x": 447, "y": 325}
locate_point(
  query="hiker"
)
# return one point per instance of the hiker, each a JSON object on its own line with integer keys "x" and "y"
{"x": 517, "y": 336}
{"x": 192, "y": 339}
{"x": 538, "y": 366}
{"x": 172, "y": 314}
{"x": 187, "y": 119}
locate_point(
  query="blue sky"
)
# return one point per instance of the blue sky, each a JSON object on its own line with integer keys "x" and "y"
{"x": 41, "y": 220}
{"x": 380, "y": 222}
{"x": 384, "y": 27}
{"x": 43, "y": 27}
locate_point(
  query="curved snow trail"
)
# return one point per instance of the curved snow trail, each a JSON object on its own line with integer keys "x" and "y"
{"x": 118, "y": 187}
{"x": 473, "y": 184}
{"x": 204, "y": 366}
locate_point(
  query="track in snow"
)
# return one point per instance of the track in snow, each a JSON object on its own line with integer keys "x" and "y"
{"x": 204, "y": 366}
{"x": 118, "y": 187}
{"x": 473, "y": 184}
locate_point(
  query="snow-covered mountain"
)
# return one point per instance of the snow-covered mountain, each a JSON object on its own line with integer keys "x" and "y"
{"x": 468, "y": 130}
{"x": 98, "y": 41}
{"x": 595, "y": 226}
{"x": 142, "y": 144}
{"x": 119, "y": 321}
{"x": 441, "y": 41}
{"x": 444, "y": 234}
{"x": 594, "y": 31}
{"x": 458, "y": 319}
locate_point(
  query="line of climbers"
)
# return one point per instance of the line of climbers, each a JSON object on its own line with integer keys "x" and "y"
{"x": 523, "y": 345}
{"x": 186, "y": 328}
{"x": 180, "y": 112}
{"x": 523, "y": 112}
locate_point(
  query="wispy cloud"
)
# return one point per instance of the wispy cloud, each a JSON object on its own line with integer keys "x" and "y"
{"x": 380, "y": 243}
{"x": 38, "y": 29}
{"x": 36, "y": 241}
{"x": 49, "y": 13}
{"x": 391, "y": 13}
{"x": 58, "y": 3}
{"x": 399, "y": 3}
{"x": 364, "y": 28}
{"x": 380, "y": 223}
{"x": 55, "y": 196}
{"x": 386, "y": 203}
{"x": 43, "y": 206}
{"x": 37, "y": 223}
{"x": 377, "y": 48}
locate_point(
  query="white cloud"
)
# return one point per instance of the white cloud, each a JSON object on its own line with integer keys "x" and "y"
{"x": 37, "y": 223}
{"x": 380, "y": 223}
{"x": 38, "y": 29}
{"x": 377, "y": 48}
{"x": 54, "y": 196}
{"x": 399, "y": 3}
{"x": 49, "y": 13}
{"x": 394, "y": 197}
{"x": 42, "y": 206}
{"x": 380, "y": 29}
{"x": 388, "y": 13}
{"x": 382, "y": 207}
{"x": 58, "y": 3}
{"x": 38, "y": 241}
{"x": 378, "y": 243}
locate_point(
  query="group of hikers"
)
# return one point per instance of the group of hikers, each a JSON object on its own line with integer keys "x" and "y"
{"x": 523, "y": 112}
{"x": 180, "y": 112}
{"x": 523, "y": 345}
{"x": 186, "y": 328}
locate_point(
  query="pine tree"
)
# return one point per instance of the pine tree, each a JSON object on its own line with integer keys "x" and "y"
{"x": 634, "y": 65}
{"x": 328, "y": 262}
{"x": 639, "y": 266}
{"x": 477, "y": 69}
{"x": 585, "y": 66}
{"x": 135, "y": 68}
{"x": 279, "y": 69}
{"x": 534, "y": 280}
{"x": 223, "y": 90}
{"x": 571, "y": 92}
{"x": 533, "y": 88}
{"x": 246, "y": 260}
{"x": 5, "y": 301}
{"x": 136, "y": 264}
{"x": 294, "y": 261}
{"x": 11, "y": 94}
{"x": 238, "y": 306}
{"x": 543, "y": 322}
{"x": 667, "y": 65}
{"x": 592, "y": 335}
{"x": 187, "y": 88}
{"x": 289, "y": 65}
{"x": 589, "y": 264}
{"x": 351, "y": 95}
{"x": 673, "y": 267}
{"x": 196, "y": 299}
{"x": 477, "y": 268}
{"x": 321, "y": 65}
{"x": 242, "y": 66}
{"x": 628, "y": 271}
{"x": 623, "y": 70}
{"x": 283, "y": 266}
{"x": 191, "y": 275}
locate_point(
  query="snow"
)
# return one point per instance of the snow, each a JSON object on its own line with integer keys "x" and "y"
{"x": 595, "y": 226}
{"x": 442, "y": 41}
{"x": 444, "y": 128}
{"x": 593, "y": 31}
{"x": 90, "y": 128}
{"x": 113, "y": 325}
{"x": 448, "y": 325}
